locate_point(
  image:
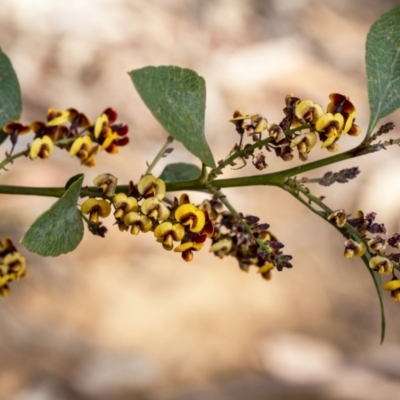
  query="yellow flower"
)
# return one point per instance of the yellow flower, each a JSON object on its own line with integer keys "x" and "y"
{"x": 330, "y": 124}
{"x": 221, "y": 248}
{"x": 15, "y": 265}
{"x": 167, "y": 232}
{"x": 353, "y": 248}
{"x": 381, "y": 265}
{"x": 342, "y": 105}
{"x": 90, "y": 161}
{"x": 123, "y": 205}
{"x": 12, "y": 266}
{"x": 138, "y": 222}
{"x": 308, "y": 112}
{"x": 96, "y": 208}
{"x": 57, "y": 117}
{"x": 191, "y": 217}
{"x": 107, "y": 183}
{"x": 149, "y": 186}
{"x": 338, "y": 217}
{"x": 155, "y": 209}
{"x": 187, "y": 249}
{"x": 393, "y": 287}
{"x": 265, "y": 271}
{"x": 80, "y": 147}
{"x": 41, "y": 147}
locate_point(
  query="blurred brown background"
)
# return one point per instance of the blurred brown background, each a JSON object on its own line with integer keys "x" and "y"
{"x": 119, "y": 318}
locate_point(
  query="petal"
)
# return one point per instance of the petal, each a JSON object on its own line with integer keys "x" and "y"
{"x": 98, "y": 126}
{"x": 178, "y": 232}
{"x": 56, "y": 117}
{"x": 132, "y": 218}
{"x": 392, "y": 285}
{"x": 35, "y": 148}
{"x": 104, "y": 208}
{"x": 107, "y": 183}
{"x": 162, "y": 230}
{"x": 88, "y": 205}
{"x": 149, "y": 186}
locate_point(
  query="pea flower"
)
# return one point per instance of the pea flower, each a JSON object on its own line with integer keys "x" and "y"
{"x": 138, "y": 222}
{"x": 187, "y": 250}
{"x": 149, "y": 186}
{"x": 166, "y": 233}
{"x": 393, "y": 287}
{"x": 96, "y": 208}
{"x": 191, "y": 217}
{"x": 41, "y": 147}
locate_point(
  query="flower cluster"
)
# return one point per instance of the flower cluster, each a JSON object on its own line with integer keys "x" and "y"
{"x": 183, "y": 227}
{"x": 231, "y": 238}
{"x": 12, "y": 266}
{"x": 304, "y": 123}
{"x": 71, "y": 130}
{"x": 145, "y": 209}
{"x": 375, "y": 242}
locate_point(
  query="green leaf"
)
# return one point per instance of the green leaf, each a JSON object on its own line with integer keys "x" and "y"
{"x": 59, "y": 230}
{"x": 177, "y": 99}
{"x": 383, "y": 66}
{"x": 179, "y": 172}
{"x": 10, "y": 94}
{"x": 378, "y": 286}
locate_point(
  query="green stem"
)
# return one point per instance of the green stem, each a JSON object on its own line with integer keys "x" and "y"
{"x": 159, "y": 155}
{"x": 10, "y": 159}
{"x": 248, "y": 150}
{"x": 31, "y": 191}
{"x": 272, "y": 179}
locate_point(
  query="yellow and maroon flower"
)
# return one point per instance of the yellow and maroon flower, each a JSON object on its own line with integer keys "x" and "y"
{"x": 166, "y": 233}
{"x": 138, "y": 222}
{"x": 57, "y": 117}
{"x": 221, "y": 247}
{"x": 149, "y": 186}
{"x": 41, "y": 147}
{"x": 90, "y": 160}
{"x": 53, "y": 132}
{"x": 187, "y": 249}
{"x": 14, "y": 129}
{"x": 110, "y": 136}
{"x": 6, "y": 247}
{"x": 338, "y": 217}
{"x": 107, "y": 183}
{"x": 304, "y": 143}
{"x": 266, "y": 270}
{"x": 342, "y": 105}
{"x": 12, "y": 266}
{"x": 381, "y": 265}
{"x": 155, "y": 209}
{"x": 330, "y": 127}
{"x": 393, "y": 287}
{"x": 191, "y": 217}
{"x": 123, "y": 205}
{"x": 96, "y": 208}
{"x": 308, "y": 112}
{"x": 81, "y": 147}
{"x": 15, "y": 265}
{"x": 377, "y": 243}
{"x": 353, "y": 248}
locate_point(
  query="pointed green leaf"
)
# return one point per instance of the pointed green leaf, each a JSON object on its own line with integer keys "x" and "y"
{"x": 177, "y": 99}
{"x": 59, "y": 230}
{"x": 10, "y": 94}
{"x": 378, "y": 286}
{"x": 383, "y": 66}
{"x": 179, "y": 172}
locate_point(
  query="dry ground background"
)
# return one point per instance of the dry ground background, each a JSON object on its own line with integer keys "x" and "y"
{"x": 118, "y": 318}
